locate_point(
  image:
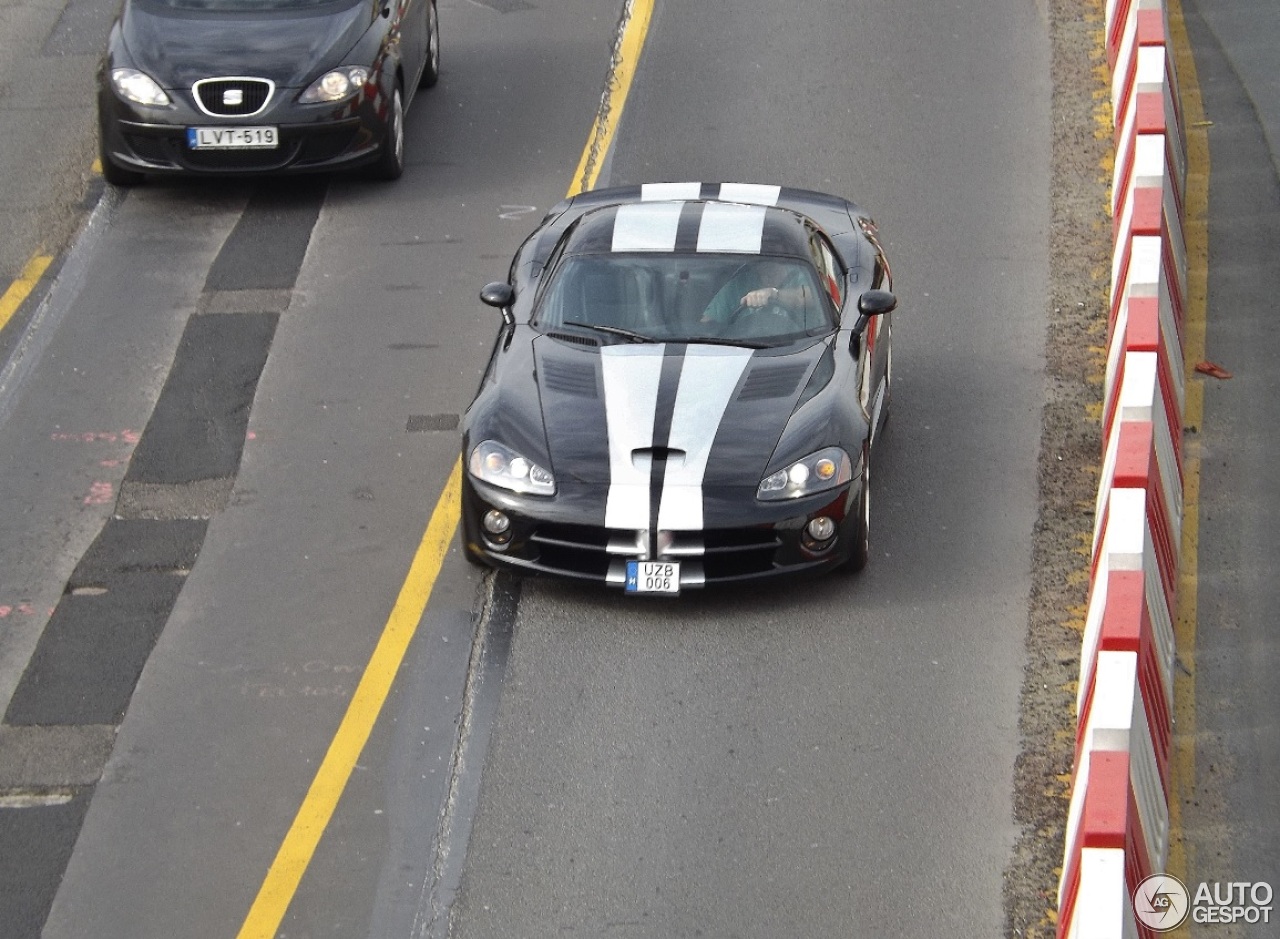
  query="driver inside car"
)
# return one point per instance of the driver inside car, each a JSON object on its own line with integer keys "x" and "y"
{"x": 758, "y": 286}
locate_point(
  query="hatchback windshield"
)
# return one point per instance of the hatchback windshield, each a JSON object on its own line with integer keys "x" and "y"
{"x": 684, "y": 297}
{"x": 246, "y": 6}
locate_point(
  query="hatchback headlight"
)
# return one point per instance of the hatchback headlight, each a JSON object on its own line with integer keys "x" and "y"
{"x": 138, "y": 87}
{"x": 502, "y": 466}
{"x": 825, "y": 469}
{"x": 336, "y": 85}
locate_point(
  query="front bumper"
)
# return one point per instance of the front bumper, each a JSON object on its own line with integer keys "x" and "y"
{"x": 765, "y": 540}
{"x": 310, "y": 141}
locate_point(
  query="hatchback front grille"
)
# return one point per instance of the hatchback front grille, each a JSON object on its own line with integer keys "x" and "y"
{"x": 232, "y": 97}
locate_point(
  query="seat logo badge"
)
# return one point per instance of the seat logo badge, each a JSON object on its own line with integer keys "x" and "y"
{"x": 233, "y": 97}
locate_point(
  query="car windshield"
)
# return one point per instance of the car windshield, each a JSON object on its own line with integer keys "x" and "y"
{"x": 687, "y": 297}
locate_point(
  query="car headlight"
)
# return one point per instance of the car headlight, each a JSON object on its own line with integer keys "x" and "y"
{"x": 502, "y": 466}
{"x": 138, "y": 87}
{"x": 336, "y": 85}
{"x": 825, "y": 469}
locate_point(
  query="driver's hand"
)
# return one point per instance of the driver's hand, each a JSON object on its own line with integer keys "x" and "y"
{"x": 761, "y": 297}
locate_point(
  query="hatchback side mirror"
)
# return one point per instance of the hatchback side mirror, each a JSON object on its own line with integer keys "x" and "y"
{"x": 501, "y": 295}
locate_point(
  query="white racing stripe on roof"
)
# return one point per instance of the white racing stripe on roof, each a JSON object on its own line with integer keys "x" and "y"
{"x": 708, "y": 376}
{"x": 734, "y": 228}
{"x": 643, "y": 226}
{"x": 750, "y": 193}
{"x": 666, "y": 192}
{"x": 631, "y": 376}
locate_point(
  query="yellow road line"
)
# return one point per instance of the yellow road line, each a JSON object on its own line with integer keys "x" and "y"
{"x": 331, "y": 778}
{"x": 321, "y": 801}
{"x": 626, "y": 55}
{"x": 1195, "y": 228}
{"x": 21, "y": 288}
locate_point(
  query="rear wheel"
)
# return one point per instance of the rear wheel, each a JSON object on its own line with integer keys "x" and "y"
{"x": 390, "y": 164}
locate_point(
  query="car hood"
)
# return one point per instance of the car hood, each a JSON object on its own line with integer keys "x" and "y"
{"x": 178, "y": 48}
{"x": 713, "y": 413}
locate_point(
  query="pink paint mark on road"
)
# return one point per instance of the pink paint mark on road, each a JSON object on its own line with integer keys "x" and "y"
{"x": 97, "y": 436}
{"x": 18, "y": 609}
{"x": 100, "y": 493}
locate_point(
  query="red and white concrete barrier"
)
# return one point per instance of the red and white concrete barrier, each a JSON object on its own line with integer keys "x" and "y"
{"x": 1118, "y": 820}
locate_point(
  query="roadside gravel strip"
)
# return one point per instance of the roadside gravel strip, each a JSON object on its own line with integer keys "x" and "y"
{"x": 1069, "y": 463}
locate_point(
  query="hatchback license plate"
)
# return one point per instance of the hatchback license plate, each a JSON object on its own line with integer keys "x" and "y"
{"x": 653, "y": 577}
{"x": 233, "y": 138}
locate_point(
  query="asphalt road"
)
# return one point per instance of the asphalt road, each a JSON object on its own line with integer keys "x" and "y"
{"x": 833, "y": 758}
{"x": 830, "y": 759}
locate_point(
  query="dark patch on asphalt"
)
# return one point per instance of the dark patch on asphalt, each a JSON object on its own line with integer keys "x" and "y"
{"x": 265, "y": 249}
{"x": 121, "y": 594}
{"x": 103, "y": 629}
{"x": 38, "y": 841}
{"x": 92, "y": 651}
{"x": 420, "y": 423}
{"x": 198, "y": 427}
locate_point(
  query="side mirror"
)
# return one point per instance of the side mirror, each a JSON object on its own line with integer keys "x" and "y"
{"x": 875, "y": 302}
{"x": 871, "y": 303}
{"x": 501, "y": 295}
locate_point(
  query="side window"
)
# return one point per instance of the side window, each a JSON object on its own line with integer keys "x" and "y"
{"x": 546, "y": 313}
{"x": 824, "y": 259}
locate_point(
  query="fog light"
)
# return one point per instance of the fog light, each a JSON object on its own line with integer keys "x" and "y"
{"x": 820, "y": 528}
{"x": 497, "y": 525}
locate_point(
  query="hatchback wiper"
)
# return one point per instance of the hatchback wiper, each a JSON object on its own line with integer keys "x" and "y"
{"x": 613, "y": 331}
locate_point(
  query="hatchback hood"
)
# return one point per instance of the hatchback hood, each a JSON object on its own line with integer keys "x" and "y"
{"x": 178, "y": 48}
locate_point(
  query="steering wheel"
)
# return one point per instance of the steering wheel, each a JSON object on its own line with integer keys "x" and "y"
{"x": 775, "y": 310}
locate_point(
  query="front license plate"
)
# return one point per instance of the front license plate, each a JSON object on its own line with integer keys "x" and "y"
{"x": 233, "y": 138}
{"x": 653, "y": 577}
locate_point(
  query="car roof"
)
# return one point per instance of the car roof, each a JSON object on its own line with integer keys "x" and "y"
{"x": 688, "y": 227}
{"x": 841, "y": 220}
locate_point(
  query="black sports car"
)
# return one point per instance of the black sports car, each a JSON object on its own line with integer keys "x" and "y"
{"x": 262, "y": 86}
{"x": 686, "y": 389}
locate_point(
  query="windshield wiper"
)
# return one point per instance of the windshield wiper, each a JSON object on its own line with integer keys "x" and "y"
{"x": 613, "y": 331}
{"x": 721, "y": 341}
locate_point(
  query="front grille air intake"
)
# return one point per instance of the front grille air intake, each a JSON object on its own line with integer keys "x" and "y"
{"x": 232, "y": 97}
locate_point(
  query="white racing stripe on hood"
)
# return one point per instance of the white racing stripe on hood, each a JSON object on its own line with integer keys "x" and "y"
{"x": 630, "y": 375}
{"x": 707, "y": 380}
{"x": 751, "y": 193}
{"x": 731, "y": 227}
{"x": 646, "y": 226}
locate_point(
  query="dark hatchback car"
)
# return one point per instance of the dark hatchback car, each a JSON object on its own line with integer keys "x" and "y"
{"x": 231, "y": 87}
